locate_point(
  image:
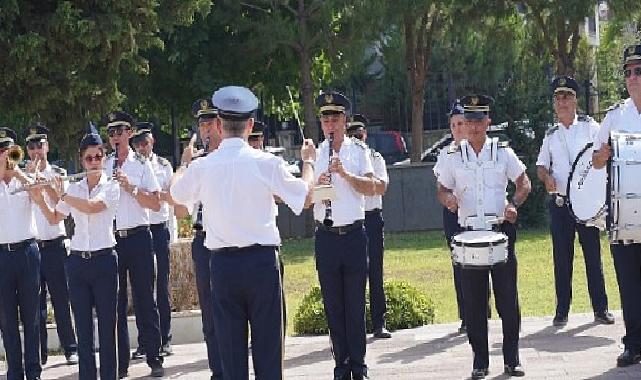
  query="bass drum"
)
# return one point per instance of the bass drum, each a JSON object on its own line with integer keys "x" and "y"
{"x": 587, "y": 190}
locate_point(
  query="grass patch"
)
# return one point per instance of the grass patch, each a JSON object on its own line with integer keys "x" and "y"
{"x": 423, "y": 260}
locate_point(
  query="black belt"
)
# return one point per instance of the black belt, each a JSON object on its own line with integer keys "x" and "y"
{"x": 57, "y": 242}
{"x": 373, "y": 211}
{"x": 158, "y": 226}
{"x": 197, "y": 227}
{"x": 19, "y": 246}
{"x": 241, "y": 249}
{"x": 87, "y": 255}
{"x": 131, "y": 231}
{"x": 200, "y": 233}
{"x": 342, "y": 230}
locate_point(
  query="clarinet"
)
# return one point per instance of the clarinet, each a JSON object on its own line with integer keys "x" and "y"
{"x": 115, "y": 166}
{"x": 328, "y": 222}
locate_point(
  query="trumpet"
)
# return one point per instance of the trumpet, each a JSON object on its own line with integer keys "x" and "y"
{"x": 39, "y": 182}
{"x": 15, "y": 155}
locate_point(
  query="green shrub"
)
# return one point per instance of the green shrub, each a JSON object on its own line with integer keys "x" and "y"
{"x": 407, "y": 307}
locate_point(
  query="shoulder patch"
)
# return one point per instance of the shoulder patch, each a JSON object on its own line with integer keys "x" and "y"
{"x": 163, "y": 161}
{"x": 504, "y": 144}
{"x": 453, "y": 148}
{"x": 552, "y": 129}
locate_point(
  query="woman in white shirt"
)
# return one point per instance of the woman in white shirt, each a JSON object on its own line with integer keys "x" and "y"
{"x": 92, "y": 266}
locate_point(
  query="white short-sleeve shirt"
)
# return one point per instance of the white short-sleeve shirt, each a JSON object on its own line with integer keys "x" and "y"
{"x": 349, "y": 205}
{"x": 45, "y": 230}
{"x": 163, "y": 171}
{"x": 461, "y": 179}
{"x": 623, "y": 117}
{"x": 561, "y": 145}
{"x": 380, "y": 172}
{"x": 17, "y": 222}
{"x": 140, "y": 173}
{"x": 93, "y": 232}
{"x": 236, "y": 185}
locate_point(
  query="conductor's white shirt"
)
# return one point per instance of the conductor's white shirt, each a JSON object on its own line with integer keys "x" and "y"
{"x": 236, "y": 185}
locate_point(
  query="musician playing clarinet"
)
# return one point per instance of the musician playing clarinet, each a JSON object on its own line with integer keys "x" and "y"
{"x": 341, "y": 243}
{"x": 461, "y": 188}
{"x": 93, "y": 264}
{"x": 561, "y": 145}
{"x": 626, "y": 116}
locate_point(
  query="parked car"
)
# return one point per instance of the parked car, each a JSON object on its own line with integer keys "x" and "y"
{"x": 431, "y": 153}
{"x": 390, "y": 144}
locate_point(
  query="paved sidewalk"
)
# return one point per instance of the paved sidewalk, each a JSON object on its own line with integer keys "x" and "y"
{"x": 582, "y": 350}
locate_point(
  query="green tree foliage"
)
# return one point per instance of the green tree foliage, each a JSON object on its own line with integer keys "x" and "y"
{"x": 60, "y": 61}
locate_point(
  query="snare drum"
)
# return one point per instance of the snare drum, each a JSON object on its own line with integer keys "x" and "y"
{"x": 625, "y": 187}
{"x": 479, "y": 249}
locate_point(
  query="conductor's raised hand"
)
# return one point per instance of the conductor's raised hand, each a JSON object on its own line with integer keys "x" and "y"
{"x": 307, "y": 150}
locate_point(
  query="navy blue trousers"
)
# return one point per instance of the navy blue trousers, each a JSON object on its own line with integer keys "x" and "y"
{"x": 53, "y": 278}
{"x": 451, "y": 228}
{"x": 563, "y": 227}
{"x": 504, "y": 283}
{"x": 200, "y": 257}
{"x": 246, "y": 289}
{"x": 93, "y": 283}
{"x": 375, "y": 248}
{"x": 19, "y": 290}
{"x": 341, "y": 262}
{"x": 160, "y": 236}
{"x": 627, "y": 263}
{"x": 136, "y": 260}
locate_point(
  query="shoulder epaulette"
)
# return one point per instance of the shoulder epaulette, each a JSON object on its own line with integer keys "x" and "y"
{"x": 614, "y": 106}
{"x": 503, "y": 144}
{"x": 453, "y": 148}
{"x": 163, "y": 161}
{"x": 359, "y": 143}
{"x": 552, "y": 129}
{"x": 140, "y": 158}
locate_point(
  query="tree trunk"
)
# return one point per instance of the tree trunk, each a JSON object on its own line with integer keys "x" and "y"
{"x": 307, "y": 93}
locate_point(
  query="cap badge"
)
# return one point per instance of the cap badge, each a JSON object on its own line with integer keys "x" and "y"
{"x": 329, "y": 99}
{"x": 562, "y": 82}
{"x": 204, "y": 104}
{"x": 474, "y": 100}
{"x": 3, "y": 133}
{"x": 112, "y": 116}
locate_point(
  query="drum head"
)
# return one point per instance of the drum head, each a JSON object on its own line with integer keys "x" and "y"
{"x": 587, "y": 187}
{"x": 479, "y": 237}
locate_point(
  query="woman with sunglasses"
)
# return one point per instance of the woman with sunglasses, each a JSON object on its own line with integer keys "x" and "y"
{"x": 626, "y": 116}
{"x": 92, "y": 266}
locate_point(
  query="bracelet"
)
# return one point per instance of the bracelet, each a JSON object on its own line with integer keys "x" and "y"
{"x": 310, "y": 162}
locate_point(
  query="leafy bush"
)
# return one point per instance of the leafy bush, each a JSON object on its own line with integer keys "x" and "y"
{"x": 407, "y": 307}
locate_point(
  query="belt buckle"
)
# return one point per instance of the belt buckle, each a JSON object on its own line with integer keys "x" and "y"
{"x": 8, "y": 245}
{"x": 342, "y": 230}
{"x": 122, "y": 233}
{"x": 85, "y": 255}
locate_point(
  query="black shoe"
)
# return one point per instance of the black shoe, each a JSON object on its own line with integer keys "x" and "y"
{"x": 382, "y": 333}
{"x": 139, "y": 354}
{"x": 480, "y": 373}
{"x": 157, "y": 370}
{"x": 463, "y": 328}
{"x": 342, "y": 377}
{"x": 560, "y": 320}
{"x": 43, "y": 358}
{"x": 604, "y": 318}
{"x": 166, "y": 350}
{"x": 72, "y": 358}
{"x": 516, "y": 370}
{"x": 628, "y": 358}
{"x": 123, "y": 374}
{"x": 358, "y": 377}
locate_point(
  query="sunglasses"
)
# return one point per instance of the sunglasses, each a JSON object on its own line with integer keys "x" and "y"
{"x": 89, "y": 159}
{"x": 31, "y": 145}
{"x": 116, "y": 131}
{"x": 356, "y": 135}
{"x": 627, "y": 73}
